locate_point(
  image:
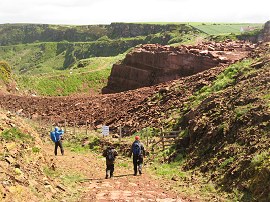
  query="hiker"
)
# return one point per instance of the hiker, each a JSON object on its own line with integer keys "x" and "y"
{"x": 138, "y": 152}
{"x": 110, "y": 153}
{"x": 56, "y": 137}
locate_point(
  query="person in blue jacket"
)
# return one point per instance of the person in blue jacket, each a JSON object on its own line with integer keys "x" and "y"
{"x": 56, "y": 137}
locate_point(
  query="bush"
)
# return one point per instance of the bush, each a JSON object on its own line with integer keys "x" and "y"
{"x": 5, "y": 71}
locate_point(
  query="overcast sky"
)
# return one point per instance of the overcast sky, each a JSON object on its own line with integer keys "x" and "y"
{"x": 107, "y": 11}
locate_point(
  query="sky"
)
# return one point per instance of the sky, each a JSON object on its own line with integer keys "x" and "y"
{"x": 86, "y": 12}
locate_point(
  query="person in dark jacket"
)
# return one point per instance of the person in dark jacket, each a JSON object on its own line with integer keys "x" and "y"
{"x": 56, "y": 137}
{"x": 110, "y": 153}
{"x": 138, "y": 152}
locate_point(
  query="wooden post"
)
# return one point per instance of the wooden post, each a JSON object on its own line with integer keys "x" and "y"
{"x": 120, "y": 133}
{"x": 105, "y": 116}
{"x": 86, "y": 127}
{"x": 162, "y": 139}
{"x": 147, "y": 137}
{"x": 65, "y": 126}
{"x": 91, "y": 123}
{"x": 74, "y": 128}
{"x": 190, "y": 138}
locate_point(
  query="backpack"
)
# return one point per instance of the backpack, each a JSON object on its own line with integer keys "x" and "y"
{"x": 136, "y": 149}
{"x": 53, "y": 138}
{"x": 110, "y": 156}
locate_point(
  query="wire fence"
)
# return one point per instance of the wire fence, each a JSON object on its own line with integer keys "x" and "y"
{"x": 150, "y": 138}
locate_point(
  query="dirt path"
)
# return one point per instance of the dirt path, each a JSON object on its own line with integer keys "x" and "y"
{"x": 122, "y": 187}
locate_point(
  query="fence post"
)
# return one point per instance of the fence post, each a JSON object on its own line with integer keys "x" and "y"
{"x": 74, "y": 126}
{"x": 147, "y": 137}
{"x": 162, "y": 139}
{"x": 65, "y": 126}
{"x": 120, "y": 132}
{"x": 86, "y": 127}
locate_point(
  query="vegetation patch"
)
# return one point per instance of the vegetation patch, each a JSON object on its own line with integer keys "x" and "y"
{"x": 15, "y": 134}
{"x": 5, "y": 71}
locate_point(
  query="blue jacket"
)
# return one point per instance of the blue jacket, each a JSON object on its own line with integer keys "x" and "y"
{"x": 56, "y": 134}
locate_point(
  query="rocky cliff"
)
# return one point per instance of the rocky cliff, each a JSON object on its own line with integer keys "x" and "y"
{"x": 151, "y": 64}
{"x": 266, "y": 32}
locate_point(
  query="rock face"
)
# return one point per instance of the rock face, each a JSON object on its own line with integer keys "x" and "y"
{"x": 266, "y": 32}
{"x": 151, "y": 64}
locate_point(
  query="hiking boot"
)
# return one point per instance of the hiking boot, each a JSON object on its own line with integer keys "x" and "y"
{"x": 135, "y": 174}
{"x": 140, "y": 172}
{"x": 107, "y": 174}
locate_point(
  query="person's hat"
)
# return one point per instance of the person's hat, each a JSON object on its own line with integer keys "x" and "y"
{"x": 137, "y": 137}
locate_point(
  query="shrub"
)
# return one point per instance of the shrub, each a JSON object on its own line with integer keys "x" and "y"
{"x": 5, "y": 71}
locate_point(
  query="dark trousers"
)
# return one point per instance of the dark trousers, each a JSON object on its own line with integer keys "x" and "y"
{"x": 137, "y": 163}
{"x": 59, "y": 143}
{"x": 109, "y": 170}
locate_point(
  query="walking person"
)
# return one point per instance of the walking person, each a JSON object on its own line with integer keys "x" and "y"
{"x": 110, "y": 153}
{"x": 56, "y": 137}
{"x": 138, "y": 152}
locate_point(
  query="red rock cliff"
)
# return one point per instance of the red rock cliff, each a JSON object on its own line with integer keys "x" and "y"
{"x": 151, "y": 64}
{"x": 266, "y": 32}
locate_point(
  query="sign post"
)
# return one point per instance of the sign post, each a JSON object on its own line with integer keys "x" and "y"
{"x": 105, "y": 130}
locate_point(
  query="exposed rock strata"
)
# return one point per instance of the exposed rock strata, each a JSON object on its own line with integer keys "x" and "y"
{"x": 266, "y": 32}
{"x": 151, "y": 64}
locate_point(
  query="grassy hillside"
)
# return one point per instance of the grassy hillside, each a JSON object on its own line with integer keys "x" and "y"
{"x": 30, "y": 33}
{"x": 11, "y": 34}
{"x": 225, "y": 28}
{"x": 86, "y": 76}
{"x": 45, "y": 57}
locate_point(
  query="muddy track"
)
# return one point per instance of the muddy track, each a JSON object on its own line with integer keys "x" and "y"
{"x": 122, "y": 187}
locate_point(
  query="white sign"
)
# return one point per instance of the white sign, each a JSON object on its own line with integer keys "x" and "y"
{"x": 105, "y": 130}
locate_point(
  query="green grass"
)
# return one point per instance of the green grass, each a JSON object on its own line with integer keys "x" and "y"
{"x": 169, "y": 170}
{"x": 50, "y": 172}
{"x": 35, "y": 149}
{"x": 222, "y": 81}
{"x": 224, "y": 28}
{"x": 75, "y": 143}
{"x": 242, "y": 110}
{"x": 15, "y": 134}
{"x": 93, "y": 77}
{"x": 259, "y": 158}
{"x": 226, "y": 162}
{"x": 71, "y": 179}
{"x": 123, "y": 164}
